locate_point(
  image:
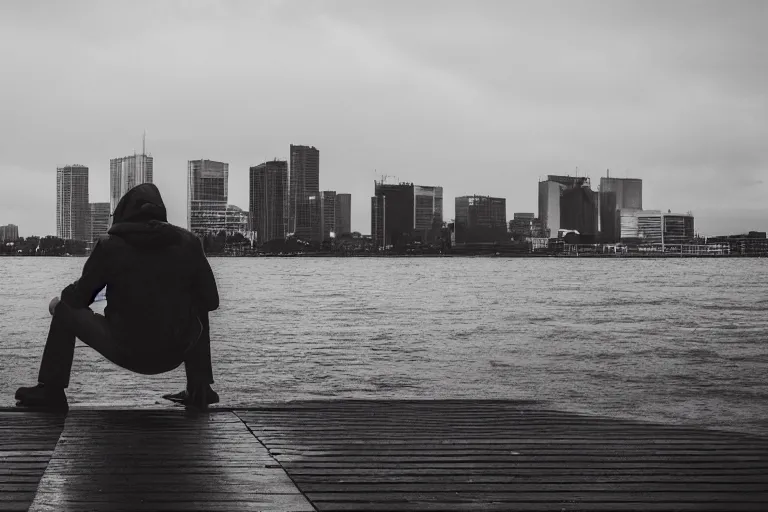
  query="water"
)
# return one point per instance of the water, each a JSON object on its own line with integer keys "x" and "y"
{"x": 675, "y": 341}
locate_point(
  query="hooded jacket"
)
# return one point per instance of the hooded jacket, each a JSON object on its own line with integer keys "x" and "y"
{"x": 156, "y": 274}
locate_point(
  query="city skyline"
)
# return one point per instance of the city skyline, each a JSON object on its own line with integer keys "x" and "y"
{"x": 675, "y": 95}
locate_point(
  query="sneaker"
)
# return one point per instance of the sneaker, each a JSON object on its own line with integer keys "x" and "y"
{"x": 200, "y": 398}
{"x": 42, "y": 397}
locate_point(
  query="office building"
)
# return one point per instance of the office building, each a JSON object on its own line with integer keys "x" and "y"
{"x": 125, "y": 173}
{"x": 98, "y": 221}
{"x": 655, "y": 227}
{"x": 568, "y": 203}
{"x": 550, "y": 192}
{"x": 392, "y": 213}
{"x": 480, "y": 219}
{"x": 526, "y": 225}
{"x": 617, "y": 194}
{"x": 236, "y": 220}
{"x": 72, "y": 210}
{"x": 343, "y": 214}
{"x": 269, "y": 201}
{"x": 428, "y": 210}
{"x": 405, "y": 212}
{"x": 304, "y": 201}
{"x": 9, "y": 232}
{"x": 207, "y": 185}
{"x": 579, "y": 212}
{"x": 328, "y": 213}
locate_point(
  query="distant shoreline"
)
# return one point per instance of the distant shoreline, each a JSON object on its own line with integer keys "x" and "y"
{"x": 475, "y": 255}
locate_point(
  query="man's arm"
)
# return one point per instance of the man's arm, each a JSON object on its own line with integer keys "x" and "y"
{"x": 206, "y": 293}
{"x": 81, "y": 293}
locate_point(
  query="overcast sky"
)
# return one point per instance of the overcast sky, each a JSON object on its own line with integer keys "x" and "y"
{"x": 479, "y": 97}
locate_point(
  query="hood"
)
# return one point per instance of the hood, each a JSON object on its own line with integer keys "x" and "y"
{"x": 141, "y": 203}
{"x": 141, "y": 220}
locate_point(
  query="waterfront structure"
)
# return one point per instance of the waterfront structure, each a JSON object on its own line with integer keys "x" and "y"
{"x": 480, "y": 219}
{"x": 655, "y": 227}
{"x": 269, "y": 201}
{"x": 526, "y": 225}
{"x": 72, "y": 202}
{"x": 328, "y": 214}
{"x": 343, "y": 214}
{"x": 125, "y": 173}
{"x": 304, "y": 201}
{"x": 615, "y": 195}
{"x": 98, "y": 221}
{"x": 9, "y": 232}
{"x": 207, "y": 194}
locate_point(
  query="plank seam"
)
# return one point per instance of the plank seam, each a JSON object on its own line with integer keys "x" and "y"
{"x": 288, "y": 474}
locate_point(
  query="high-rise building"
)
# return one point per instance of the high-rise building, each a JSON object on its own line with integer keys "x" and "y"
{"x": 98, "y": 221}
{"x": 617, "y": 194}
{"x": 9, "y": 232}
{"x": 343, "y": 214}
{"x": 207, "y": 183}
{"x": 328, "y": 213}
{"x": 304, "y": 203}
{"x": 578, "y": 211}
{"x": 392, "y": 213}
{"x": 269, "y": 200}
{"x": 428, "y": 209}
{"x": 405, "y": 212}
{"x": 125, "y": 173}
{"x": 480, "y": 219}
{"x": 72, "y": 209}
{"x": 567, "y": 202}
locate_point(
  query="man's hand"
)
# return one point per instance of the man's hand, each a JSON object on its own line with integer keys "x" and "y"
{"x": 52, "y": 306}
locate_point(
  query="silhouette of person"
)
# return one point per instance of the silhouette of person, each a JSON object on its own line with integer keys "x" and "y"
{"x": 159, "y": 291}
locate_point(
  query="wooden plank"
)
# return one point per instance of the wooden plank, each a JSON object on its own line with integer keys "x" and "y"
{"x": 152, "y": 460}
{"x": 496, "y": 455}
{"x": 27, "y": 441}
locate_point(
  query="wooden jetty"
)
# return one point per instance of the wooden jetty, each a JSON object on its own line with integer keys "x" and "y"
{"x": 373, "y": 455}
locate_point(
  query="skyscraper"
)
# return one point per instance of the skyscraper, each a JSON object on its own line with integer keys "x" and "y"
{"x": 125, "y": 173}
{"x": 207, "y": 196}
{"x": 343, "y": 214}
{"x": 578, "y": 211}
{"x": 328, "y": 213}
{"x": 392, "y": 213}
{"x": 72, "y": 209}
{"x": 481, "y": 219}
{"x": 98, "y": 221}
{"x": 268, "y": 200}
{"x": 550, "y": 205}
{"x": 304, "y": 203}
{"x": 9, "y": 233}
{"x": 428, "y": 209}
{"x": 405, "y": 211}
{"x": 617, "y": 194}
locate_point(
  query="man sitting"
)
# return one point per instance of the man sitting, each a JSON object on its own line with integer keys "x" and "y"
{"x": 160, "y": 289}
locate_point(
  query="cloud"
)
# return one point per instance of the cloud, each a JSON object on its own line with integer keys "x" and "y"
{"x": 479, "y": 97}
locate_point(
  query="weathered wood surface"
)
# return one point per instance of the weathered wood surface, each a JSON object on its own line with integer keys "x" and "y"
{"x": 162, "y": 460}
{"x": 497, "y": 455}
{"x": 27, "y": 440}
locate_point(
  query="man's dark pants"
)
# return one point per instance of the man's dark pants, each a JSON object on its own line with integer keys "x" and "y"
{"x": 94, "y": 330}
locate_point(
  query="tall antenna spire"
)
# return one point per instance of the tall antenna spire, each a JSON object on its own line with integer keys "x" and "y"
{"x": 144, "y": 143}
